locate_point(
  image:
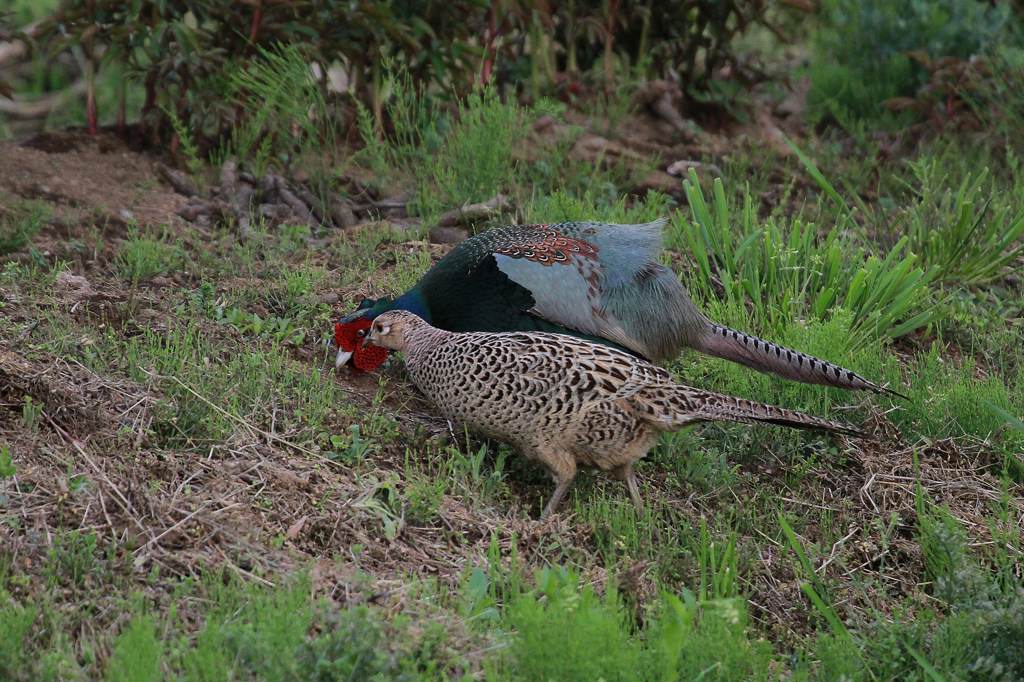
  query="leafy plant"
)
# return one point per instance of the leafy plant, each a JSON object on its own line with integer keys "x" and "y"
{"x": 279, "y": 329}
{"x": 351, "y": 449}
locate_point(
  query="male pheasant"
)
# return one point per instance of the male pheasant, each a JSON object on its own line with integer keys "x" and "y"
{"x": 560, "y": 399}
{"x": 595, "y": 281}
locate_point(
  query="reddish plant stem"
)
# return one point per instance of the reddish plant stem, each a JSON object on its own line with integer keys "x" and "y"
{"x": 490, "y": 39}
{"x": 257, "y": 19}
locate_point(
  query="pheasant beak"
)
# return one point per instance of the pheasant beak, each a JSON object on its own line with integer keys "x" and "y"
{"x": 342, "y": 357}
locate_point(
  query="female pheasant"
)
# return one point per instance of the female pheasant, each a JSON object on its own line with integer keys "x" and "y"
{"x": 595, "y": 281}
{"x": 560, "y": 399}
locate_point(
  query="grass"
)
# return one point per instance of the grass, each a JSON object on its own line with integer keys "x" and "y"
{"x": 788, "y": 270}
{"x": 141, "y": 258}
{"x": 969, "y": 233}
{"x": 19, "y": 223}
{"x": 190, "y": 492}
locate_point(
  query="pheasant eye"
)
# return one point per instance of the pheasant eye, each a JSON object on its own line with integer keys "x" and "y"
{"x": 361, "y": 333}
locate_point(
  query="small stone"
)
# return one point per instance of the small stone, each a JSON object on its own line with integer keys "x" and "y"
{"x": 448, "y": 235}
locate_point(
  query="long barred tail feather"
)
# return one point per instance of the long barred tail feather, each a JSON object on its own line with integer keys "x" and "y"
{"x": 765, "y": 356}
{"x": 675, "y": 407}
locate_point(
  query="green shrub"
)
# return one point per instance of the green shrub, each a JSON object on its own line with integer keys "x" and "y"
{"x": 423, "y": 496}
{"x": 71, "y": 558}
{"x": 706, "y": 640}
{"x": 257, "y": 632}
{"x": 997, "y": 95}
{"x": 288, "y": 120}
{"x": 862, "y": 52}
{"x": 476, "y": 159}
{"x": 356, "y": 645}
{"x": 564, "y": 631}
{"x": 561, "y": 206}
{"x": 947, "y": 400}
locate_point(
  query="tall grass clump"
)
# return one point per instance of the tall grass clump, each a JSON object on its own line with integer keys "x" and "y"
{"x": 141, "y": 258}
{"x": 786, "y": 270}
{"x": 969, "y": 232}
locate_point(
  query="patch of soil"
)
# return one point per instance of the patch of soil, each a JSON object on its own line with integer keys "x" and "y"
{"x": 85, "y": 177}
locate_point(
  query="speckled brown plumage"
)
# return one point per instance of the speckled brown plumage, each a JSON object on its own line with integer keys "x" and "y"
{"x": 562, "y": 400}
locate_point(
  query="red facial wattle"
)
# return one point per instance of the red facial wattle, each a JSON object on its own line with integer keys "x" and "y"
{"x": 348, "y": 339}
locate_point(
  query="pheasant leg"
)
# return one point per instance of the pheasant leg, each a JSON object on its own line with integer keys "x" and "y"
{"x": 562, "y": 484}
{"x": 625, "y": 473}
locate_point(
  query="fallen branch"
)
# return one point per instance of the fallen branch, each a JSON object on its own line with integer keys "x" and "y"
{"x": 471, "y": 212}
{"x": 181, "y": 183}
{"x": 40, "y": 108}
{"x": 240, "y": 196}
{"x": 299, "y": 207}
